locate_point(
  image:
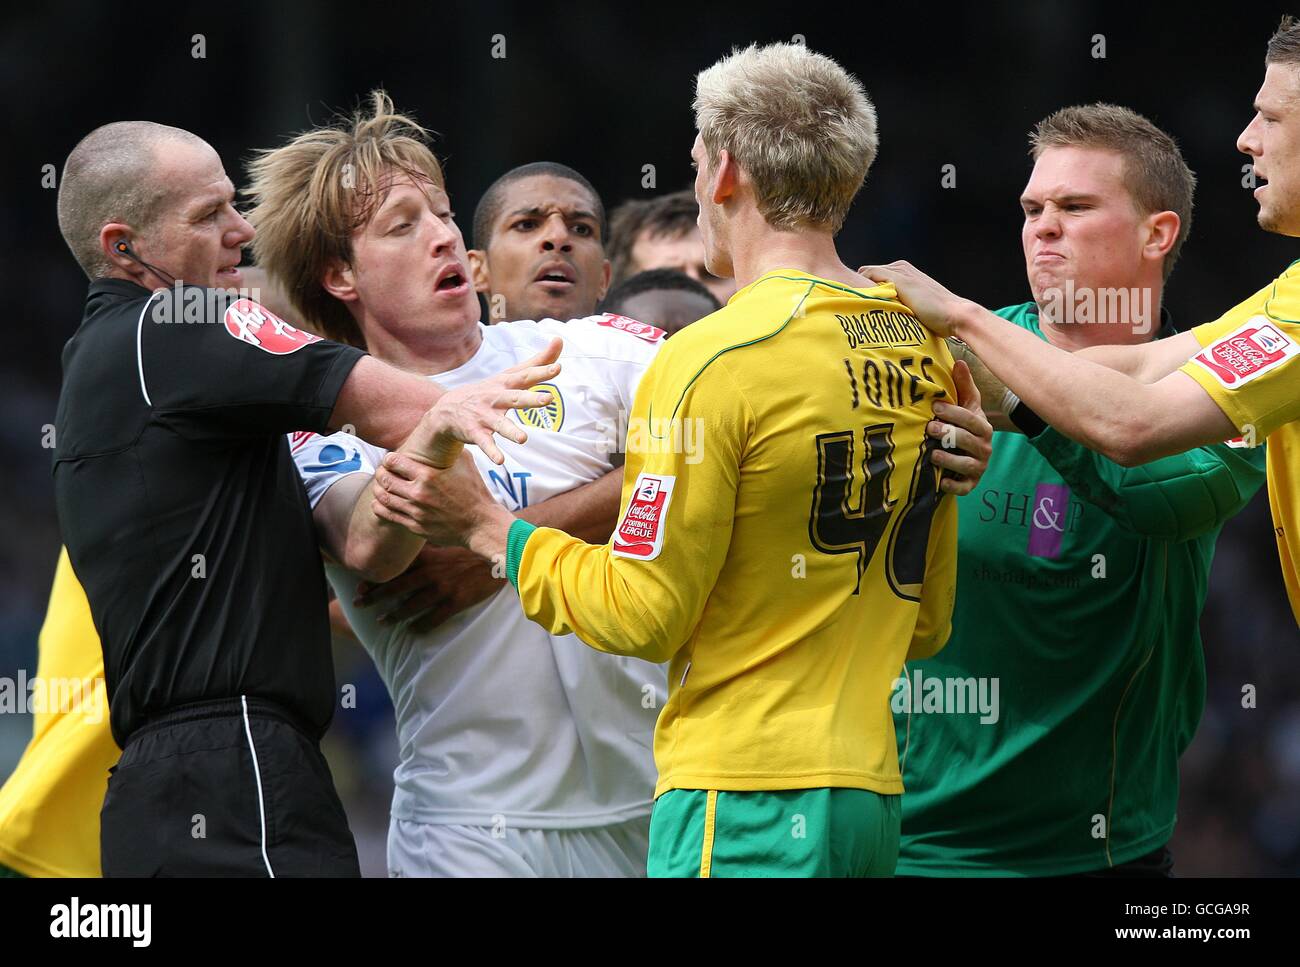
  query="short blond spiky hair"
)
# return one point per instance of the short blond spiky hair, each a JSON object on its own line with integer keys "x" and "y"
{"x": 797, "y": 122}
{"x": 1155, "y": 173}
{"x": 311, "y": 195}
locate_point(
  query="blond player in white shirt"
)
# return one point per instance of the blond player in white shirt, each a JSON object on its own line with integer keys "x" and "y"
{"x": 521, "y": 754}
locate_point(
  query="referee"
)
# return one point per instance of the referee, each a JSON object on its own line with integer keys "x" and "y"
{"x": 187, "y": 523}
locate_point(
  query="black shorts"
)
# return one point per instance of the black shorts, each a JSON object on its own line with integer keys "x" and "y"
{"x": 230, "y": 788}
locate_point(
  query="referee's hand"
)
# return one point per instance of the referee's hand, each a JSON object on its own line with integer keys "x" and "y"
{"x": 474, "y": 413}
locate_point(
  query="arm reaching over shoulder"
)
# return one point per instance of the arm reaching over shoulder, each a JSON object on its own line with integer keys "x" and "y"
{"x": 1107, "y": 411}
{"x": 1147, "y": 362}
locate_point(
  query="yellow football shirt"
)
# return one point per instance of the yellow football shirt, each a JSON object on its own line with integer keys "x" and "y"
{"x": 782, "y": 540}
{"x": 49, "y": 806}
{"x": 1249, "y": 363}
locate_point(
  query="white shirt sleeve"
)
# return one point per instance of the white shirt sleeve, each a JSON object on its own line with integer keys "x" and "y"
{"x": 322, "y": 461}
{"x": 626, "y": 348}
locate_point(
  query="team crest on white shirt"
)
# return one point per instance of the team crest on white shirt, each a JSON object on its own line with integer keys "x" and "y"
{"x": 548, "y": 417}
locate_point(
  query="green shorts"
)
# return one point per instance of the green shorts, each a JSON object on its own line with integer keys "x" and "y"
{"x": 796, "y": 832}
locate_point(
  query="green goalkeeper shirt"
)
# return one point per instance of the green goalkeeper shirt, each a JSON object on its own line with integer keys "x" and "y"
{"x": 1045, "y": 738}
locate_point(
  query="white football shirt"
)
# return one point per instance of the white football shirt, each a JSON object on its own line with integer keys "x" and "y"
{"x": 497, "y": 720}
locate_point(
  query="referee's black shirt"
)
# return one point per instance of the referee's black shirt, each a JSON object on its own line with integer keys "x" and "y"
{"x": 182, "y": 512}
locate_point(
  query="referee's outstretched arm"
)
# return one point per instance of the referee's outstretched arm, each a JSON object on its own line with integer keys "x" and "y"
{"x": 383, "y": 404}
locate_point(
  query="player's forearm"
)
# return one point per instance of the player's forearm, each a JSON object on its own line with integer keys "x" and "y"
{"x": 570, "y": 587}
{"x": 488, "y": 536}
{"x": 376, "y": 549}
{"x": 383, "y": 404}
{"x": 1147, "y": 362}
{"x": 351, "y": 534}
{"x": 587, "y": 512}
{"x": 1105, "y": 410}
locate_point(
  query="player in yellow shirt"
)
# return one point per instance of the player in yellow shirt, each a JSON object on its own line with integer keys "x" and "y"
{"x": 49, "y": 805}
{"x": 784, "y": 540}
{"x": 1238, "y": 376}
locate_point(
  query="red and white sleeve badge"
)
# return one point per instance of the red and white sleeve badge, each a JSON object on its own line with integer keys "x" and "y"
{"x": 1247, "y": 352}
{"x": 640, "y": 534}
{"x": 253, "y": 323}
{"x": 642, "y": 330}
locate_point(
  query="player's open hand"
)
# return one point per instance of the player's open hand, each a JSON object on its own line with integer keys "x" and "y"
{"x": 935, "y": 306}
{"x": 442, "y": 582}
{"x": 965, "y": 436}
{"x": 443, "y": 506}
{"x": 474, "y": 413}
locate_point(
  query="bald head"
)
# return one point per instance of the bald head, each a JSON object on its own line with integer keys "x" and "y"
{"x": 113, "y": 175}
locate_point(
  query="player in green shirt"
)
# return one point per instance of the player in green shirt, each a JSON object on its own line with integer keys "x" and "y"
{"x": 1044, "y": 740}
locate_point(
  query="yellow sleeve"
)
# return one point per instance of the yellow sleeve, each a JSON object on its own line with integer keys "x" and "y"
{"x": 939, "y": 590}
{"x": 49, "y": 805}
{"x": 643, "y": 593}
{"x": 1249, "y": 362}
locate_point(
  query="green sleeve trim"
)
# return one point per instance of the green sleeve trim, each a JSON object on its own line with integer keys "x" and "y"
{"x": 516, "y": 538}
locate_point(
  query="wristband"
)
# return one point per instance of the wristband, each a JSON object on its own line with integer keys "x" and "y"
{"x": 516, "y": 538}
{"x": 1022, "y": 417}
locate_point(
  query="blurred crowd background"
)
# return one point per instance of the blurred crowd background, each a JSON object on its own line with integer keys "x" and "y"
{"x": 607, "y": 90}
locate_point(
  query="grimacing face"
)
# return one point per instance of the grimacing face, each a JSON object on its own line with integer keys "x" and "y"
{"x": 545, "y": 256}
{"x": 1272, "y": 139}
{"x": 198, "y": 237}
{"x": 409, "y": 266}
{"x": 1081, "y": 223}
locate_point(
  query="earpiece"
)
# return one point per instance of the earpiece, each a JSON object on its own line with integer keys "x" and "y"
{"x": 121, "y": 247}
